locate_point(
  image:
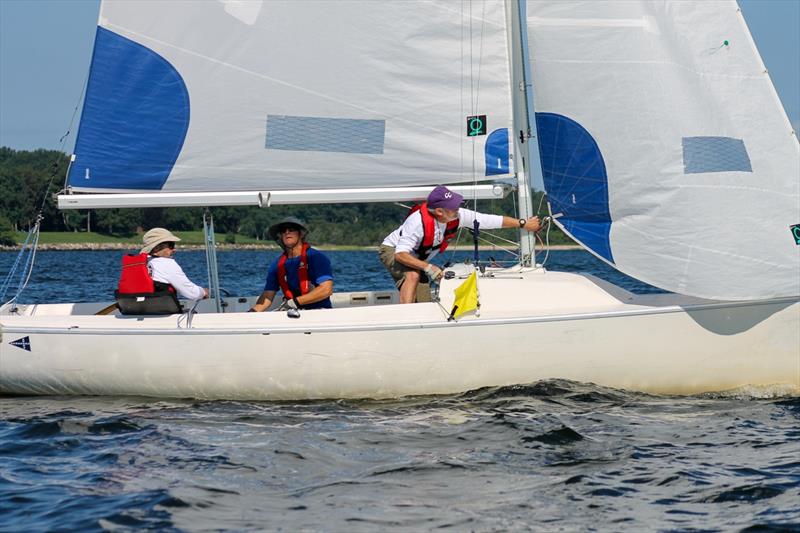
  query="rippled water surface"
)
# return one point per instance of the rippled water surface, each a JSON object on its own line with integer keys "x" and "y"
{"x": 545, "y": 456}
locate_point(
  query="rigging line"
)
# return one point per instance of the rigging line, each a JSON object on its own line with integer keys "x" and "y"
{"x": 46, "y": 191}
{"x": 32, "y": 241}
{"x": 496, "y": 247}
{"x": 439, "y": 303}
{"x": 480, "y": 55}
{"x": 471, "y": 61}
{"x": 472, "y": 100}
{"x": 30, "y": 262}
{"x": 546, "y": 242}
{"x": 29, "y": 247}
{"x": 455, "y": 247}
{"x": 461, "y": 91}
{"x": 7, "y": 282}
{"x": 498, "y": 237}
{"x": 477, "y": 96}
{"x": 63, "y": 142}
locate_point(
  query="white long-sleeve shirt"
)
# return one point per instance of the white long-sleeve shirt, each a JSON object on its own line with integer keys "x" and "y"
{"x": 167, "y": 270}
{"x": 408, "y": 237}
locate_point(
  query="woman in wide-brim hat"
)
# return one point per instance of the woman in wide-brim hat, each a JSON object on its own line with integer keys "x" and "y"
{"x": 159, "y": 245}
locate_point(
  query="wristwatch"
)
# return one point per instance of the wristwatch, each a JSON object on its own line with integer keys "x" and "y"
{"x": 522, "y": 222}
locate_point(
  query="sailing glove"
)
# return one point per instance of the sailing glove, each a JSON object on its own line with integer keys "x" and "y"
{"x": 433, "y": 272}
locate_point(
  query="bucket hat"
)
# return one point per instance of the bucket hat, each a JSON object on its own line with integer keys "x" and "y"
{"x": 274, "y": 232}
{"x": 156, "y": 236}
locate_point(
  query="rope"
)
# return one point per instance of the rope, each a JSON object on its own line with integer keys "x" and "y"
{"x": 63, "y": 142}
{"x": 475, "y": 82}
{"x": 29, "y": 247}
{"x": 545, "y": 243}
{"x": 28, "y": 252}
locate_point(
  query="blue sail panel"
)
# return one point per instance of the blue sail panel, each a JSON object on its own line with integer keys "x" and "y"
{"x": 134, "y": 121}
{"x": 576, "y": 182}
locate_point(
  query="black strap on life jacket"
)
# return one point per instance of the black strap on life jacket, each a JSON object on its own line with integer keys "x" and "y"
{"x": 429, "y": 232}
{"x": 138, "y": 294}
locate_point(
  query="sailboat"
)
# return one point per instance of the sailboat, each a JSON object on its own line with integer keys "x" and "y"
{"x": 652, "y": 125}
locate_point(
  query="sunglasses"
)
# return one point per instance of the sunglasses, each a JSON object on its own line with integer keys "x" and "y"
{"x": 170, "y": 245}
{"x": 284, "y": 229}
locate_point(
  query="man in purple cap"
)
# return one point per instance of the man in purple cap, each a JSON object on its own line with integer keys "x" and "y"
{"x": 427, "y": 230}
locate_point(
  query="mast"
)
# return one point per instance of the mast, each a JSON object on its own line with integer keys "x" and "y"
{"x": 528, "y": 164}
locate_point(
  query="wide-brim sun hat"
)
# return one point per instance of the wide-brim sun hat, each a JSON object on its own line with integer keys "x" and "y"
{"x": 274, "y": 234}
{"x": 156, "y": 236}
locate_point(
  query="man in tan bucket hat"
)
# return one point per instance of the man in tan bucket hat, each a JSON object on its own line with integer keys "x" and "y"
{"x": 159, "y": 245}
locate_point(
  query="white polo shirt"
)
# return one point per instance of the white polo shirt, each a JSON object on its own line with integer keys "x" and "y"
{"x": 167, "y": 270}
{"x": 408, "y": 237}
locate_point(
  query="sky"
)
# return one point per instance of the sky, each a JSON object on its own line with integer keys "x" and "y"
{"x": 45, "y": 48}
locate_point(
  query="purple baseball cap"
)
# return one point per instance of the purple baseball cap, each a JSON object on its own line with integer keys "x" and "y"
{"x": 441, "y": 196}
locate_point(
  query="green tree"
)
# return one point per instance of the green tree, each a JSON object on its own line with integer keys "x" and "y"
{"x": 7, "y": 237}
{"x": 119, "y": 222}
{"x": 25, "y": 175}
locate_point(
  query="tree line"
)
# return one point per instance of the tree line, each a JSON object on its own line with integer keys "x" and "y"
{"x": 30, "y": 179}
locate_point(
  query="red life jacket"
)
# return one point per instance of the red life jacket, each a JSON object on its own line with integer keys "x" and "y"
{"x": 135, "y": 277}
{"x": 302, "y": 274}
{"x": 429, "y": 231}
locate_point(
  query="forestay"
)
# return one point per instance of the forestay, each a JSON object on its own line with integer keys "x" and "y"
{"x": 665, "y": 149}
{"x": 262, "y": 95}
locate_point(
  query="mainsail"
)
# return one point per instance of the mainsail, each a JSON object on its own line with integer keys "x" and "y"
{"x": 665, "y": 149}
{"x": 270, "y": 95}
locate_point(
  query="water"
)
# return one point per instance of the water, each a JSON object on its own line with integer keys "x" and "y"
{"x": 545, "y": 456}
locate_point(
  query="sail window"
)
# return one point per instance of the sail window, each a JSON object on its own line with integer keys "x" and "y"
{"x": 714, "y": 154}
{"x": 320, "y": 134}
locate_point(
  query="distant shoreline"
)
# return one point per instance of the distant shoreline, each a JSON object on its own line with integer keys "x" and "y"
{"x": 100, "y": 246}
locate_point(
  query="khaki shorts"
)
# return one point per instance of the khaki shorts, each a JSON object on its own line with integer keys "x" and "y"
{"x": 398, "y": 272}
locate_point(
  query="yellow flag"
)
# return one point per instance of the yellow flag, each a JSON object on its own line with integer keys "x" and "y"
{"x": 466, "y": 297}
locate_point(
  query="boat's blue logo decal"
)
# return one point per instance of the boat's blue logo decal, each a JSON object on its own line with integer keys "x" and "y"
{"x": 24, "y": 343}
{"x": 497, "y": 154}
{"x": 135, "y": 118}
{"x": 576, "y": 181}
{"x": 321, "y": 134}
{"x": 714, "y": 154}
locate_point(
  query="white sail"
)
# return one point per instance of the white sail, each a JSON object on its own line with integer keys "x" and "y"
{"x": 665, "y": 148}
{"x": 232, "y": 96}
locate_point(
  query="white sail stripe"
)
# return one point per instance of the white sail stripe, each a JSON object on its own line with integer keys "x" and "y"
{"x": 679, "y": 245}
{"x": 291, "y": 170}
{"x": 717, "y": 187}
{"x": 593, "y": 22}
{"x": 758, "y": 76}
{"x": 483, "y": 20}
{"x": 280, "y": 82}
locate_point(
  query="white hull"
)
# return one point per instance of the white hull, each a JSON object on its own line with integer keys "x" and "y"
{"x": 533, "y": 325}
